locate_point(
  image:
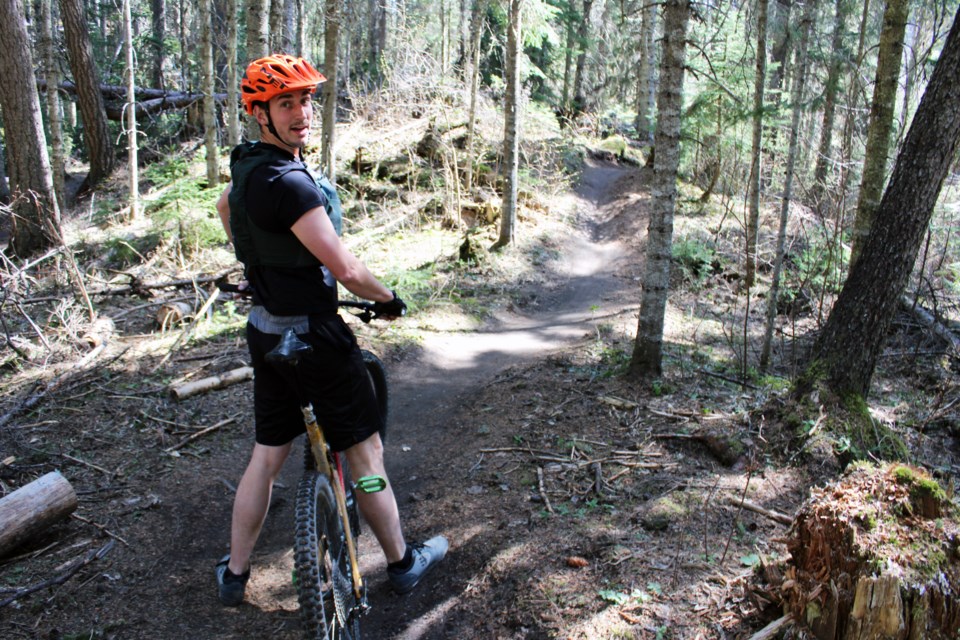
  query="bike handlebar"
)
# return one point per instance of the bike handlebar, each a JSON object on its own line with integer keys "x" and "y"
{"x": 365, "y": 315}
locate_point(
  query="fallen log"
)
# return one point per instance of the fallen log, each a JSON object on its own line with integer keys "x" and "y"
{"x": 148, "y": 101}
{"x": 928, "y": 320}
{"x": 226, "y": 379}
{"x": 34, "y": 507}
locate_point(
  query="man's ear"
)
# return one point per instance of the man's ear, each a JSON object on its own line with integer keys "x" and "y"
{"x": 261, "y": 115}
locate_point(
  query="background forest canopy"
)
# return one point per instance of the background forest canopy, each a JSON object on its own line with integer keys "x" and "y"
{"x": 141, "y": 83}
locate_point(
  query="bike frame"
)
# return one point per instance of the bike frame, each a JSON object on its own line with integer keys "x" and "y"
{"x": 323, "y": 458}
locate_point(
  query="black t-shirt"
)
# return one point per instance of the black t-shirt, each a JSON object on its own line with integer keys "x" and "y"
{"x": 275, "y": 204}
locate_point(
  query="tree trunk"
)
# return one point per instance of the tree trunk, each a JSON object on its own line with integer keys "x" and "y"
{"x": 583, "y": 45}
{"x": 880, "y": 127}
{"x": 647, "y": 357}
{"x": 568, "y": 66}
{"x": 130, "y": 72}
{"x": 797, "y": 100}
{"x": 831, "y": 89}
{"x": 759, "y": 79}
{"x": 846, "y": 352}
{"x": 4, "y": 185}
{"x": 511, "y": 127}
{"x": 275, "y": 28}
{"x": 853, "y": 103}
{"x": 473, "y": 74}
{"x": 209, "y": 103}
{"x": 909, "y": 74}
{"x": 96, "y": 132}
{"x": 184, "y": 45}
{"x": 233, "y": 77}
{"x": 289, "y": 26}
{"x": 645, "y": 76}
{"x": 328, "y": 138}
{"x": 258, "y": 21}
{"x": 780, "y": 47}
{"x": 27, "y": 161}
{"x": 159, "y": 29}
{"x": 50, "y": 57}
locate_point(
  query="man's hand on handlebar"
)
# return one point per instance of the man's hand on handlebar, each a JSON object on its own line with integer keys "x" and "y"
{"x": 393, "y": 309}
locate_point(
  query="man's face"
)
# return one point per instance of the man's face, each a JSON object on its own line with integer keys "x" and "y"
{"x": 292, "y": 115}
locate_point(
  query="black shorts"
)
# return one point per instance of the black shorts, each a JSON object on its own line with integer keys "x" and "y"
{"x": 334, "y": 377}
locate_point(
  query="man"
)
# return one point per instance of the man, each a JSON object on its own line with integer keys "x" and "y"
{"x": 284, "y": 223}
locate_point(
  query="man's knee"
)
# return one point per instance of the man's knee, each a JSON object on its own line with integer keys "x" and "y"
{"x": 366, "y": 458}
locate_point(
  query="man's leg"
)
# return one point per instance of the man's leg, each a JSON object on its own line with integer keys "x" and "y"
{"x": 379, "y": 509}
{"x": 252, "y": 501}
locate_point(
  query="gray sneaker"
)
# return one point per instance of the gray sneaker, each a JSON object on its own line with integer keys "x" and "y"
{"x": 425, "y": 556}
{"x": 231, "y": 585}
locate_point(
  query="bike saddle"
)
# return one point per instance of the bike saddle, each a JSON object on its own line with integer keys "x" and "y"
{"x": 288, "y": 350}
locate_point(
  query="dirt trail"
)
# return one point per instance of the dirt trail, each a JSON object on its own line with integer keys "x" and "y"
{"x": 426, "y": 391}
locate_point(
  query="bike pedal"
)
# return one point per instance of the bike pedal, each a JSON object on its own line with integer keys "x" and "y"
{"x": 371, "y": 484}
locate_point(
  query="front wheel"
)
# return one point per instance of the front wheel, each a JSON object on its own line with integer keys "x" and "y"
{"x": 328, "y": 605}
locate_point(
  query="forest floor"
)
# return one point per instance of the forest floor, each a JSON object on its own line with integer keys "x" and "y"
{"x": 577, "y": 504}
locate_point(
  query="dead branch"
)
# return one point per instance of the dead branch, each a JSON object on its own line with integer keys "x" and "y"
{"x": 210, "y": 383}
{"x": 776, "y": 516}
{"x": 101, "y": 527}
{"x": 773, "y": 629}
{"x": 71, "y": 570}
{"x": 201, "y": 433}
{"x": 543, "y": 492}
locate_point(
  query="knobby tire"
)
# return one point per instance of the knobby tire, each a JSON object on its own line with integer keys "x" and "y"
{"x": 321, "y": 562}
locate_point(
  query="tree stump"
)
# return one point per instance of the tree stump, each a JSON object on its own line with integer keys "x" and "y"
{"x": 875, "y": 556}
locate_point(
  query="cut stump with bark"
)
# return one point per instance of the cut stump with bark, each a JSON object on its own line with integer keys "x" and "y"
{"x": 32, "y": 508}
{"x": 875, "y": 556}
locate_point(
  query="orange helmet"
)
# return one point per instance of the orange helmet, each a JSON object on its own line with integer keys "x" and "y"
{"x": 276, "y": 74}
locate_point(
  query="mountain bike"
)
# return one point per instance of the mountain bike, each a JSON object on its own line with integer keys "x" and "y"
{"x": 330, "y": 588}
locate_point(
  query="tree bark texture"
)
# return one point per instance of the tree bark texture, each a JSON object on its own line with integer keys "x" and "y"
{"x": 846, "y": 352}
{"x": 647, "y": 357}
{"x": 96, "y": 132}
{"x": 880, "y": 127}
{"x": 753, "y": 211}
{"x": 511, "y": 127}
{"x": 28, "y": 165}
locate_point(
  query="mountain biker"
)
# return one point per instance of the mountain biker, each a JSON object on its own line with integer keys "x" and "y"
{"x": 284, "y": 222}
